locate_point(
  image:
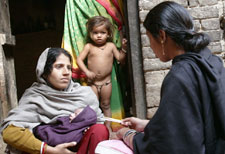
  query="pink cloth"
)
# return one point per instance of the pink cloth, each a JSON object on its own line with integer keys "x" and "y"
{"x": 113, "y": 147}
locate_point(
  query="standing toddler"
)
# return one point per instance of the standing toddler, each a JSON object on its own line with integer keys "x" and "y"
{"x": 100, "y": 53}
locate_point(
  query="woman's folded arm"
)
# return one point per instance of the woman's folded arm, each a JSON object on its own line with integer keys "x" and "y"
{"x": 22, "y": 139}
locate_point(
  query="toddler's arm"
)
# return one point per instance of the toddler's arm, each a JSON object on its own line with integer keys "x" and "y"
{"x": 120, "y": 56}
{"x": 80, "y": 62}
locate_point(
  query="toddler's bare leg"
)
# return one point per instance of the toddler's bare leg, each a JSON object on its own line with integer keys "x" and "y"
{"x": 94, "y": 88}
{"x": 105, "y": 102}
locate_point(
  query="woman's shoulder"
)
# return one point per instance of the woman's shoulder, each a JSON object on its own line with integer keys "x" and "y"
{"x": 187, "y": 63}
{"x": 181, "y": 67}
{"x": 76, "y": 85}
{"x": 182, "y": 71}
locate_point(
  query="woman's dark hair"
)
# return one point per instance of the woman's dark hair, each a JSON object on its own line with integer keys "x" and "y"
{"x": 99, "y": 21}
{"x": 53, "y": 54}
{"x": 177, "y": 23}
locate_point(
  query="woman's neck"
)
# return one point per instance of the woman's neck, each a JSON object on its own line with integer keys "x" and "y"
{"x": 173, "y": 49}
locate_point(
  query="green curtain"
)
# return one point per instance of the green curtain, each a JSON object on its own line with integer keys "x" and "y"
{"x": 77, "y": 12}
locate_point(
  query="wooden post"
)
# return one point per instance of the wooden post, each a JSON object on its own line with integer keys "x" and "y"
{"x": 8, "y": 92}
{"x": 135, "y": 59}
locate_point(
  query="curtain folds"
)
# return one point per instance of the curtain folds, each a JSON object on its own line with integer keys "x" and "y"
{"x": 77, "y": 12}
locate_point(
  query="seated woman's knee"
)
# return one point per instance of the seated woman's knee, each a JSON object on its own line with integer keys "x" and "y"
{"x": 100, "y": 129}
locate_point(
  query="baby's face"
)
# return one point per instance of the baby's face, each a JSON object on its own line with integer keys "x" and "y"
{"x": 99, "y": 34}
{"x": 76, "y": 112}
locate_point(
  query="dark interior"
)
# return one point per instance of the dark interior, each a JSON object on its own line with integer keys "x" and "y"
{"x": 36, "y": 25}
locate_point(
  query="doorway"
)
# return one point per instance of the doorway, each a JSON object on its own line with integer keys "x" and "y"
{"x": 37, "y": 25}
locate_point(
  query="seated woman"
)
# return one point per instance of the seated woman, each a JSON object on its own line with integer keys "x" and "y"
{"x": 53, "y": 95}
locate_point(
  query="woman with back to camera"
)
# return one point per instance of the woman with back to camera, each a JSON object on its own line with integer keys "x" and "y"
{"x": 190, "y": 118}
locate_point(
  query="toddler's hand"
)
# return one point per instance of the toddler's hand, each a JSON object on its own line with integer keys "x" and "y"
{"x": 124, "y": 44}
{"x": 90, "y": 75}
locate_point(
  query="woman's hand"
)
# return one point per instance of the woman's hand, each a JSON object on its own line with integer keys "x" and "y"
{"x": 127, "y": 135}
{"x": 60, "y": 149}
{"x": 135, "y": 123}
{"x": 113, "y": 136}
{"x": 120, "y": 133}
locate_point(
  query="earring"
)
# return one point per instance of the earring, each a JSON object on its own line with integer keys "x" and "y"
{"x": 163, "y": 52}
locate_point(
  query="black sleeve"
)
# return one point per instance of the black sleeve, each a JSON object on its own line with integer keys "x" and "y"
{"x": 177, "y": 127}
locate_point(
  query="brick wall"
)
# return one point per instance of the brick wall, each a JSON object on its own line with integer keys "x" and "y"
{"x": 206, "y": 15}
